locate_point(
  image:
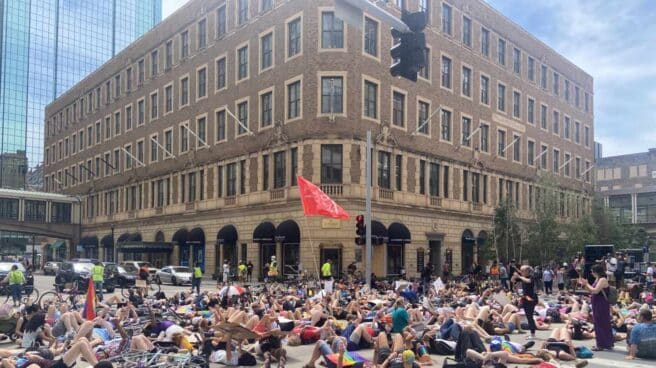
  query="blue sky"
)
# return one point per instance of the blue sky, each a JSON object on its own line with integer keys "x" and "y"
{"x": 612, "y": 40}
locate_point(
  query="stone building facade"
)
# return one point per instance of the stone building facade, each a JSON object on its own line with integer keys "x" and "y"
{"x": 190, "y": 140}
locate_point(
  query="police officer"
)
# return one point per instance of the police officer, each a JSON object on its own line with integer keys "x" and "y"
{"x": 16, "y": 279}
{"x": 326, "y": 270}
{"x": 98, "y": 277}
{"x": 198, "y": 275}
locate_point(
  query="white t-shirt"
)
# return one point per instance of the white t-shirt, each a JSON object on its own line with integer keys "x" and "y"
{"x": 226, "y": 268}
{"x": 650, "y": 273}
{"x": 221, "y": 356}
{"x": 547, "y": 275}
{"x": 611, "y": 265}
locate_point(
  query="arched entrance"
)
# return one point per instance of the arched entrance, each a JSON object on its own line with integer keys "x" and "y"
{"x": 159, "y": 237}
{"x": 467, "y": 250}
{"x": 107, "y": 242}
{"x": 180, "y": 238}
{"x": 399, "y": 236}
{"x": 90, "y": 246}
{"x": 481, "y": 242}
{"x": 197, "y": 242}
{"x": 265, "y": 235}
{"x": 226, "y": 242}
{"x": 288, "y": 235}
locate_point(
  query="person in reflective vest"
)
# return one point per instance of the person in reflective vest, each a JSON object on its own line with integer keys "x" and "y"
{"x": 15, "y": 279}
{"x": 326, "y": 270}
{"x": 198, "y": 275}
{"x": 98, "y": 277}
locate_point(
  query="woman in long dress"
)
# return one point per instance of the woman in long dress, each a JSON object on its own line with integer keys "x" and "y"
{"x": 600, "y": 308}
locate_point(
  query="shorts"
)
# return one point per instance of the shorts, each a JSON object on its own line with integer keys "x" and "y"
{"x": 325, "y": 349}
{"x": 59, "y": 329}
{"x": 511, "y": 327}
{"x": 59, "y": 364}
{"x": 383, "y": 354}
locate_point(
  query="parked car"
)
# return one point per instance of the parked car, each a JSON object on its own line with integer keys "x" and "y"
{"x": 133, "y": 267}
{"x": 5, "y": 267}
{"x": 77, "y": 269}
{"x": 117, "y": 276}
{"x": 51, "y": 268}
{"x": 176, "y": 275}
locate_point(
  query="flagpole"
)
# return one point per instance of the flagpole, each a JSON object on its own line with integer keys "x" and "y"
{"x": 367, "y": 213}
{"x": 314, "y": 255}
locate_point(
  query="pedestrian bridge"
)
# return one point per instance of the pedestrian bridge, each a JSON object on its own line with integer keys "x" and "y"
{"x": 40, "y": 213}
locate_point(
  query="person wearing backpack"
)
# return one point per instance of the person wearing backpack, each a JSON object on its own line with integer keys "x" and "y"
{"x": 599, "y": 293}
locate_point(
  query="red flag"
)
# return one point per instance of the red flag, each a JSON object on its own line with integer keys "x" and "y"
{"x": 89, "y": 311}
{"x": 316, "y": 202}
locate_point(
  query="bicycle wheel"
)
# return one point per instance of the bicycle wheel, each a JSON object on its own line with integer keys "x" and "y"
{"x": 29, "y": 298}
{"x": 49, "y": 297}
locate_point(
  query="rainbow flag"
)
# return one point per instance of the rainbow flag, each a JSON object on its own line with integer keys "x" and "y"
{"x": 349, "y": 359}
{"x": 89, "y": 311}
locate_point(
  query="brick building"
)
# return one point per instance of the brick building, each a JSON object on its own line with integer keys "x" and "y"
{"x": 627, "y": 184}
{"x": 189, "y": 141}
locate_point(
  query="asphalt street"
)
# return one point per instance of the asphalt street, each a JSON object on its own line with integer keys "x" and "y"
{"x": 299, "y": 355}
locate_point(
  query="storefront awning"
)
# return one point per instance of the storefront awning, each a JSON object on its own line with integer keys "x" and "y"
{"x": 264, "y": 233}
{"x": 107, "y": 241}
{"x": 143, "y": 247}
{"x": 398, "y": 233}
{"x": 288, "y": 232}
{"x": 227, "y": 235}
{"x": 89, "y": 241}
{"x": 378, "y": 233}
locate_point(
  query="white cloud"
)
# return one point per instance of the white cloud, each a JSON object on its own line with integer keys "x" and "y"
{"x": 170, "y": 6}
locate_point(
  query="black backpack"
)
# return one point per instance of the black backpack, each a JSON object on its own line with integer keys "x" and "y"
{"x": 468, "y": 340}
{"x": 439, "y": 347}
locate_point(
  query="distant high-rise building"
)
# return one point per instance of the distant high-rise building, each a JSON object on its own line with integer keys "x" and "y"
{"x": 46, "y": 47}
{"x": 598, "y": 151}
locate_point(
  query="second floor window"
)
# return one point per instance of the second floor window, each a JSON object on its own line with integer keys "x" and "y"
{"x": 485, "y": 138}
{"x": 332, "y": 95}
{"x": 398, "y": 109}
{"x": 279, "y": 169}
{"x": 331, "y": 164}
{"x": 466, "y": 131}
{"x": 423, "y": 125}
{"x": 446, "y": 125}
{"x": 220, "y": 125}
{"x": 294, "y": 100}
{"x": 332, "y": 31}
{"x": 242, "y": 114}
{"x": 266, "y": 106}
{"x": 384, "y": 170}
{"x": 371, "y": 100}
{"x": 501, "y": 143}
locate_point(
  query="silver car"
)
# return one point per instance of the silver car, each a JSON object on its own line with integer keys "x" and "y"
{"x": 51, "y": 268}
{"x": 176, "y": 275}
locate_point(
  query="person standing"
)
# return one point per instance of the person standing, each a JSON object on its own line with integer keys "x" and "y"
{"x": 547, "y": 277}
{"x": 326, "y": 270}
{"x": 503, "y": 275}
{"x": 15, "y": 279}
{"x": 98, "y": 277}
{"x": 242, "y": 271}
{"x": 619, "y": 272}
{"x": 273, "y": 268}
{"x": 446, "y": 270}
{"x": 225, "y": 271}
{"x": 560, "y": 278}
{"x": 529, "y": 298}
{"x": 600, "y": 308}
{"x": 249, "y": 271}
{"x": 512, "y": 270}
{"x": 198, "y": 276}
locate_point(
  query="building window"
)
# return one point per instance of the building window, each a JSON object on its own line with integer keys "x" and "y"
{"x": 117, "y": 91}
{"x": 556, "y": 83}
{"x": 566, "y": 90}
{"x": 184, "y": 138}
{"x": 108, "y": 131}
{"x": 485, "y": 138}
{"x": 384, "y": 170}
{"x": 586, "y": 101}
{"x": 279, "y": 169}
{"x": 294, "y": 166}
{"x": 294, "y": 100}
{"x": 577, "y": 132}
{"x": 242, "y": 57}
{"x": 501, "y": 52}
{"x": 294, "y": 37}
{"x": 128, "y": 84}
{"x": 567, "y": 159}
{"x": 242, "y": 177}
{"x": 577, "y": 96}
{"x": 577, "y": 167}
{"x": 398, "y": 171}
{"x": 425, "y": 71}
{"x": 543, "y": 77}
{"x": 184, "y": 91}
{"x": 556, "y": 122}
{"x": 517, "y": 104}
{"x": 140, "y": 151}
{"x": 530, "y": 153}
{"x": 154, "y": 149}
{"x": 201, "y": 79}
{"x": 446, "y": 125}
{"x": 128, "y": 157}
{"x": 543, "y": 157}
{"x": 586, "y": 136}
{"x": 517, "y": 148}
{"x": 531, "y": 69}
{"x": 517, "y": 60}
{"x": 202, "y": 34}
{"x": 398, "y": 109}
{"x": 141, "y": 112}
{"x": 201, "y": 132}
{"x": 501, "y": 143}
{"x": 331, "y": 164}
{"x": 117, "y": 126}
{"x": 466, "y": 81}
{"x": 265, "y": 172}
{"x": 466, "y": 31}
{"x": 371, "y": 100}
{"x": 332, "y": 95}
{"x": 154, "y": 63}
{"x": 485, "y": 41}
{"x": 485, "y": 90}
{"x": 556, "y": 161}
{"x": 242, "y": 11}
{"x": 221, "y": 73}
{"x": 168, "y": 98}
{"x": 108, "y": 98}
{"x": 465, "y": 129}
{"x": 446, "y": 72}
{"x": 422, "y": 177}
{"x": 242, "y": 114}
{"x": 221, "y": 21}
{"x": 231, "y": 180}
{"x": 543, "y": 117}
{"x": 446, "y": 19}
{"x": 266, "y": 112}
{"x": 266, "y": 52}
{"x": 168, "y": 62}
{"x": 220, "y": 125}
{"x": 184, "y": 44}
{"x": 98, "y": 134}
{"x": 501, "y": 97}
{"x": 332, "y": 31}
{"x": 371, "y": 37}
{"x": 153, "y": 106}
{"x": 433, "y": 179}
{"x": 423, "y": 125}
{"x": 266, "y": 5}
{"x": 530, "y": 114}
{"x": 566, "y": 128}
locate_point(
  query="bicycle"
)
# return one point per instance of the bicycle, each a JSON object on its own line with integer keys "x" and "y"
{"x": 27, "y": 292}
{"x": 151, "y": 288}
{"x": 72, "y": 294}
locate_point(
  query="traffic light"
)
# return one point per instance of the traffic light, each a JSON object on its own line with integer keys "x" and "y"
{"x": 409, "y": 54}
{"x": 360, "y": 230}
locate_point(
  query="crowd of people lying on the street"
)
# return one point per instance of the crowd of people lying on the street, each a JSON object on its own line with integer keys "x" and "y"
{"x": 404, "y": 324}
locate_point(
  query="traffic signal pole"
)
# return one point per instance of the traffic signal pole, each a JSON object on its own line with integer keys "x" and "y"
{"x": 367, "y": 213}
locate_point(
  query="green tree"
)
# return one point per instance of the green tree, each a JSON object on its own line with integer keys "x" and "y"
{"x": 506, "y": 231}
{"x": 545, "y": 231}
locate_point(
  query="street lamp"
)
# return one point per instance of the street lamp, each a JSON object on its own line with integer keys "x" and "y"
{"x": 114, "y": 250}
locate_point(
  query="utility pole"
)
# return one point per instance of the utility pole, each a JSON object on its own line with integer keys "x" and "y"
{"x": 367, "y": 213}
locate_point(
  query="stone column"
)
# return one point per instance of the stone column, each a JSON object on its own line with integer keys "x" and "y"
{"x": 634, "y": 208}
{"x": 175, "y": 257}
{"x": 101, "y": 253}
